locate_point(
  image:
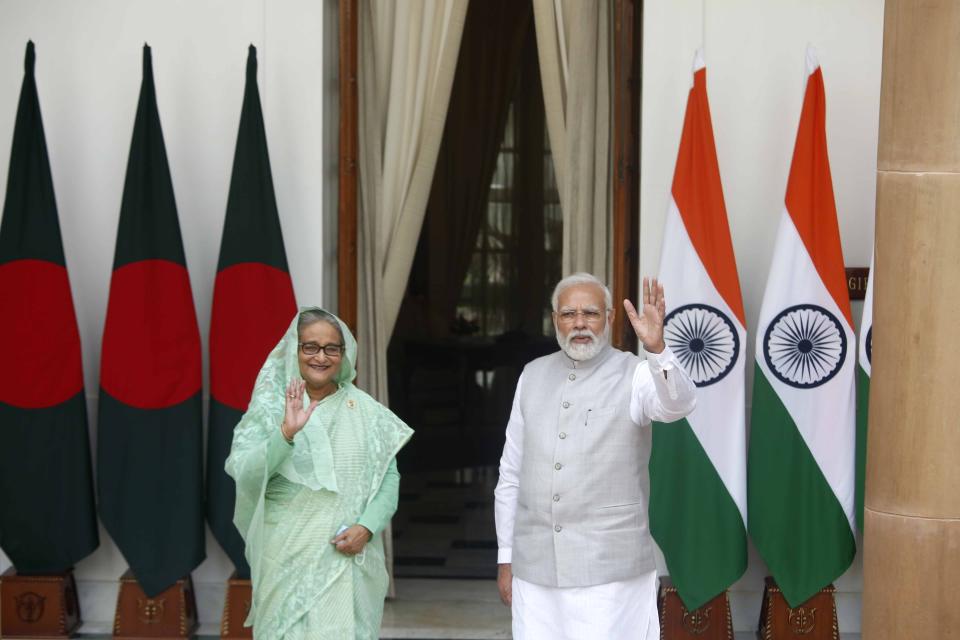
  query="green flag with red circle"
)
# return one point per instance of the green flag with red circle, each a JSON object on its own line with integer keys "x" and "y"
{"x": 48, "y": 519}
{"x": 253, "y": 303}
{"x": 149, "y": 440}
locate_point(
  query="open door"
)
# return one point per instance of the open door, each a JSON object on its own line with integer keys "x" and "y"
{"x": 625, "y": 104}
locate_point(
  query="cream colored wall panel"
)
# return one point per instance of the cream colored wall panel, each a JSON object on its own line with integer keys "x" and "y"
{"x": 672, "y": 31}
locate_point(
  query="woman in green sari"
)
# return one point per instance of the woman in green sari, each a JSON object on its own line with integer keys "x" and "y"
{"x": 314, "y": 463}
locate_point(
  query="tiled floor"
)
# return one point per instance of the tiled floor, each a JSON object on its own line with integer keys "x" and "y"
{"x": 444, "y": 526}
{"x": 452, "y": 609}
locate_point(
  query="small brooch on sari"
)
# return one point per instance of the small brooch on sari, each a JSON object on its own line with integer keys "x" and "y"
{"x": 351, "y": 404}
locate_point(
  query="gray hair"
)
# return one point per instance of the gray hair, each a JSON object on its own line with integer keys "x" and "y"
{"x": 581, "y": 278}
{"x": 312, "y": 316}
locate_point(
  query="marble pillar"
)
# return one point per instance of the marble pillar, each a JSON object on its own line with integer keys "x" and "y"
{"x": 912, "y": 517}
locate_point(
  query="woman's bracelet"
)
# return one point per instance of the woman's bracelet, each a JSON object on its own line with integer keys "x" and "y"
{"x": 283, "y": 432}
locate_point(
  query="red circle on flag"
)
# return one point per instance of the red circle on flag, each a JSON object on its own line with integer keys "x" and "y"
{"x": 253, "y": 305}
{"x": 39, "y": 339}
{"x": 151, "y": 343}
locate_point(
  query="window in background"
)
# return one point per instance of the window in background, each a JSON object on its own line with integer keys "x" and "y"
{"x": 516, "y": 259}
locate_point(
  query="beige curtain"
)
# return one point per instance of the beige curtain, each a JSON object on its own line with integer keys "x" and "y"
{"x": 406, "y": 58}
{"x": 573, "y": 44}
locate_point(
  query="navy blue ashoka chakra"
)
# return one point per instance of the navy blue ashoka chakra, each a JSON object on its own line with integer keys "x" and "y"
{"x": 869, "y": 345}
{"x": 704, "y": 340}
{"x": 805, "y": 346}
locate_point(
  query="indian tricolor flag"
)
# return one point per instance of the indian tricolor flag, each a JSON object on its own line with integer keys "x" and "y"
{"x": 698, "y": 491}
{"x": 863, "y": 394}
{"x": 800, "y": 476}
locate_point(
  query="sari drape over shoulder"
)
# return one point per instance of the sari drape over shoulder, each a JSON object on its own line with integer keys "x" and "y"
{"x": 292, "y": 499}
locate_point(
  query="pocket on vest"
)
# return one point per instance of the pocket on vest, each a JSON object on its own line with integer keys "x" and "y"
{"x": 617, "y": 517}
{"x": 599, "y": 414}
{"x": 609, "y": 436}
{"x": 619, "y": 539}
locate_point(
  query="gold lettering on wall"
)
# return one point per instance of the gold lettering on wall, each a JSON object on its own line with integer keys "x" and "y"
{"x": 857, "y": 282}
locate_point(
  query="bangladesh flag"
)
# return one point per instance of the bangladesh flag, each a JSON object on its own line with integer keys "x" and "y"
{"x": 252, "y": 305}
{"x": 698, "y": 494}
{"x": 48, "y": 519}
{"x": 800, "y": 477}
{"x": 865, "y": 356}
{"x": 149, "y": 441}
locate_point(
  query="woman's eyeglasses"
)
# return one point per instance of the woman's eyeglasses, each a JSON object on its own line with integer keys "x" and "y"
{"x": 312, "y": 349}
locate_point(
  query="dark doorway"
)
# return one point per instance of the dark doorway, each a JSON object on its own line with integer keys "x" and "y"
{"x": 477, "y": 304}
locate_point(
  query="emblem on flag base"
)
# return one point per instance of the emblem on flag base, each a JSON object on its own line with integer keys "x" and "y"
{"x": 236, "y": 606}
{"x": 712, "y": 621}
{"x": 170, "y": 614}
{"x": 38, "y": 606}
{"x": 815, "y": 619}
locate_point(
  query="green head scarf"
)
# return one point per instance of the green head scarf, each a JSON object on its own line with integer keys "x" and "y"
{"x": 310, "y": 463}
{"x": 290, "y": 345}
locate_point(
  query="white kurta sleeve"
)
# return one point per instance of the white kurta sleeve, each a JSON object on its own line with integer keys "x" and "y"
{"x": 505, "y": 495}
{"x": 662, "y": 390}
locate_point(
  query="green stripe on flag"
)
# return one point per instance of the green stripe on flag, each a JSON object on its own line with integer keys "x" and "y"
{"x": 863, "y": 403}
{"x": 795, "y": 519}
{"x": 693, "y": 517}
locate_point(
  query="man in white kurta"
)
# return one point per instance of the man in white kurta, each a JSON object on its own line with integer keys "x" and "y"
{"x": 576, "y": 559}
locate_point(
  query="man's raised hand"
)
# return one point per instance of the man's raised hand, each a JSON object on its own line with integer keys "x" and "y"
{"x": 648, "y": 324}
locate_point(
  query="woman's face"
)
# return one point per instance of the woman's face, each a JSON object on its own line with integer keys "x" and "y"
{"x": 319, "y": 369}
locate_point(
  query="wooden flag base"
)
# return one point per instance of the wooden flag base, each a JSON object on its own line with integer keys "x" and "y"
{"x": 170, "y": 615}
{"x": 236, "y": 606}
{"x": 712, "y": 621}
{"x": 815, "y": 619}
{"x": 38, "y": 606}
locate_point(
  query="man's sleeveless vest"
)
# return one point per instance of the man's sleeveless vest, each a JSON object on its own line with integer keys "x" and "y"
{"x": 582, "y": 504}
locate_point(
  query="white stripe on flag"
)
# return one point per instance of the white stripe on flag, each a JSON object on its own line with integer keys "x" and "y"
{"x": 824, "y": 416}
{"x": 718, "y": 420}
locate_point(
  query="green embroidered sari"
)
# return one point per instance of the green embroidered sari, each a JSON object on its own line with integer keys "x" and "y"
{"x": 292, "y": 499}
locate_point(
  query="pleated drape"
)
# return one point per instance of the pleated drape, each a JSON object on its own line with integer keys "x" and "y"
{"x": 407, "y": 57}
{"x": 573, "y": 44}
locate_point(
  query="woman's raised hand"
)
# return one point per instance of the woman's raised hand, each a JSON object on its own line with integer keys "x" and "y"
{"x": 295, "y": 417}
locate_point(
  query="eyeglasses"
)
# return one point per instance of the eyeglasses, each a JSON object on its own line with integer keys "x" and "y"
{"x": 312, "y": 349}
{"x": 590, "y": 316}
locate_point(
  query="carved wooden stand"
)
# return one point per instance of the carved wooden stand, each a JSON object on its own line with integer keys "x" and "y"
{"x": 815, "y": 619}
{"x": 236, "y": 606}
{"x": 38, "y": 606}
{"x": 170, "y": 615}
{"x": 712, "y": 621}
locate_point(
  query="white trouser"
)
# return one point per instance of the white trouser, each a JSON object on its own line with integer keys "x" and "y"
{"x": 625, "y": 610}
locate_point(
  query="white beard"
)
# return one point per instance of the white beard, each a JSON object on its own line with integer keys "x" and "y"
{"x": 585, "y": 351}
